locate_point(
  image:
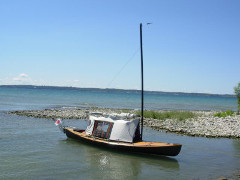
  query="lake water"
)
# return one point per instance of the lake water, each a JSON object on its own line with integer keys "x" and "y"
{"x": 32, "y": 148}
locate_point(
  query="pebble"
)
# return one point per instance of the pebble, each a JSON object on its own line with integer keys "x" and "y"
{"x": 205, "y": 124}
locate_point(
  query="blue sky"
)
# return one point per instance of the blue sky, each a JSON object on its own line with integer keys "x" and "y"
{"x": 192, "y": 45}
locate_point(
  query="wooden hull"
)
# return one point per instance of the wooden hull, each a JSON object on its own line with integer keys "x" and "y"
{"x": 156, "y": 148}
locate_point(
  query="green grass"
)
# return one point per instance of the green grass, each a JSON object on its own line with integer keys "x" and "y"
{"x": 224, "y": 113}
{"x": 179, "y": 115}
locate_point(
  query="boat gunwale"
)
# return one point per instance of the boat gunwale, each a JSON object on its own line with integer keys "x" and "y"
{"x": 128, "y": 144}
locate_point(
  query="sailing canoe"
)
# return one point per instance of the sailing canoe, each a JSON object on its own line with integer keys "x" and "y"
{"x": 157, "y": 148}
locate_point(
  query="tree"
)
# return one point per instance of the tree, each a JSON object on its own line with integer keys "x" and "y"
{"x": 237, "y": 92}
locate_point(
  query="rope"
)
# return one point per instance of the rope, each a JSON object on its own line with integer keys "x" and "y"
{"x": 116, "y": 75}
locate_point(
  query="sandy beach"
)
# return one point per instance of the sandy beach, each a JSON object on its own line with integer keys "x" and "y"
{"x": 205, "y": 124}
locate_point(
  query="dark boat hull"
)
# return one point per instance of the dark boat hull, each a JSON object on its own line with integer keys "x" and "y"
{"x": 164, "y": 149}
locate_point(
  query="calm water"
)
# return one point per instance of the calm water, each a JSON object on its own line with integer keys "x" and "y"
{"x": 33, "y": 148}
{"x": 42, "y": 97}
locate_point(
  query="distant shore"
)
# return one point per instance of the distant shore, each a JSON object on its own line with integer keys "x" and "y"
{"x": 116, "y": 90}
{"x": 205, "y": 124}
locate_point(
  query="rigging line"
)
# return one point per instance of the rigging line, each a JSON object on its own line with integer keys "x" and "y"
{"x": 116, "y": 75}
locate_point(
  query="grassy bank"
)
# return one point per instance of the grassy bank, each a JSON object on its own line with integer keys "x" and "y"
{"x": 179, "y": 115}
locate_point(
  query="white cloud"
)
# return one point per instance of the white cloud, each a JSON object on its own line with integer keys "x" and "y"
{"x": 22, "y": 78}
{"x": 23, "y": 75}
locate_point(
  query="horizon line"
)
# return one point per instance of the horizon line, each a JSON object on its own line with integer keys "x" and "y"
{"x": 171, "y": 92}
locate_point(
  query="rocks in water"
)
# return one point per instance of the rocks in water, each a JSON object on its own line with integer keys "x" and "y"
{"x": 54, "y": 113}
{"x": 70, "y": 113}
{"x": 205, "y": 124}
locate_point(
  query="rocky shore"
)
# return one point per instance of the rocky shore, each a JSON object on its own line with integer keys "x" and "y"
{"x": 204, "y": 124}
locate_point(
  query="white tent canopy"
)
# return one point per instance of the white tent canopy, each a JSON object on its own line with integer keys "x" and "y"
{"x": 116, "y": 129}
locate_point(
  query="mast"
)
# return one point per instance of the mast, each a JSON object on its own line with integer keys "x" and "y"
{"x": 142, "y": 97}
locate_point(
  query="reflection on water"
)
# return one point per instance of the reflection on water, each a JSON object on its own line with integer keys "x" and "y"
{"x": 108, "y": 164}
{"x": 236, "y": 145}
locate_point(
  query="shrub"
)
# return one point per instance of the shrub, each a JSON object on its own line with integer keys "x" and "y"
{"x": 237, "y": 92}
{"x": 224, "y": 113}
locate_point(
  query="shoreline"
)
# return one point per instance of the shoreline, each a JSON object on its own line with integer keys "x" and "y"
{"x": 205, "y": 124}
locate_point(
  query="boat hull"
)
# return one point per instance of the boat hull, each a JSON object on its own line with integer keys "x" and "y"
{"x": 164, "y": 149}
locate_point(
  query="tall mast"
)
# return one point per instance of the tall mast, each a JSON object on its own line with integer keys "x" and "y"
{"x": 142, "y": 97}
